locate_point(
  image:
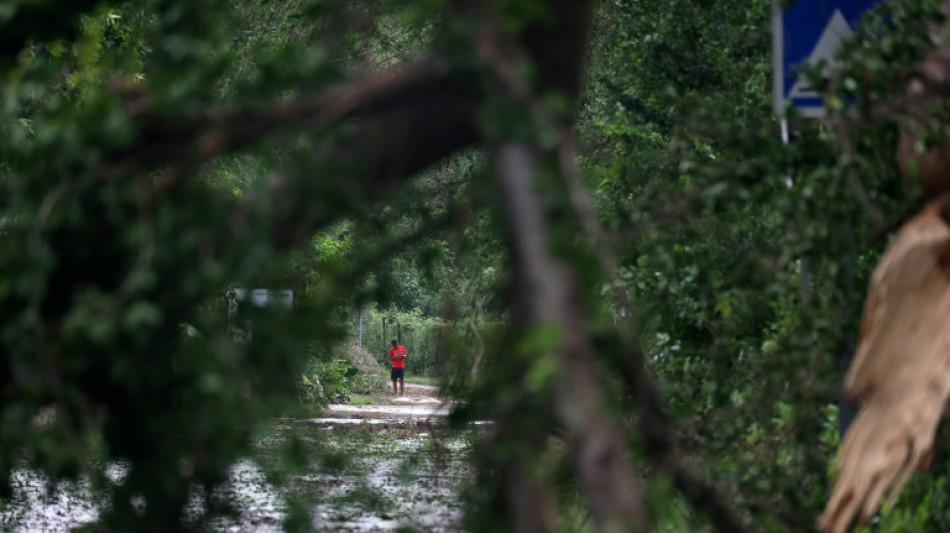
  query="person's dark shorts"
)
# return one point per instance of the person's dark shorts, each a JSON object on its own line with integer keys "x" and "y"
{"x": 397, "y": 373}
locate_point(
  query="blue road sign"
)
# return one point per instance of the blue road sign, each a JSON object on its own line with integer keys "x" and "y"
{"x": 806, "y": 32}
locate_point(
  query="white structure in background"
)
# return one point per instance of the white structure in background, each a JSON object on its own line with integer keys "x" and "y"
{"x": 260, "y": 298}
{"x": 265, "y": 297}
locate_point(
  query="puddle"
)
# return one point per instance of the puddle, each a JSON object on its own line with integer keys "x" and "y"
{"x": 385, "y": 422}
{"x": 410, "y": 411}
{"x": 416, "y": 400}
{"x": 402, "y": 471}
{"x": 429, "y": 388}
{"x": 37, "y": 506}
{"x": 392, "y": 481}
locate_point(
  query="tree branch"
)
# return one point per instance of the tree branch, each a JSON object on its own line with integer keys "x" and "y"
{"x": 654, "y": 423}
{"x": 546, "y": 294}
{"x": 407, "y": 121}
{"x": 217, "y": 132}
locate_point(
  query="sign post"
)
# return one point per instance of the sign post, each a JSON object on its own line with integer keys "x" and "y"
{"x": 809, "y": 32}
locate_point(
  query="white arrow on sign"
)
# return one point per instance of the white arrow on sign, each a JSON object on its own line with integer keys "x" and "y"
{"x": 836, "y": 31}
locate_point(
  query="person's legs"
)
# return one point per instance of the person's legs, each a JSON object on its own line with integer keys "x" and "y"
{"x": 402, "y": 386}
{"x": 393, "y": 375}
{"x": 397, "y": 374}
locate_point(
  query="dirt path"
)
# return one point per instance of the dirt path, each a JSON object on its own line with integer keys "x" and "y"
{"x": 415, "y": 392}
{"x": 419, "y": 403}
{"x": 411, "y": 460}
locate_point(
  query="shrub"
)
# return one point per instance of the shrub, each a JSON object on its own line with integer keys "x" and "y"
{"x": 371, "y": 376}
{"x": 334, "y": 380}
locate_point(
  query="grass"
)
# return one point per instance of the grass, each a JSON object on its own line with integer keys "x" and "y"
{"x": 361, "y": 399}
{"x": 423, "y": 380}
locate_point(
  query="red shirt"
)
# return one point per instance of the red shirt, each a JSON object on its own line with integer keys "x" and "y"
{"x": 398, "y": 362}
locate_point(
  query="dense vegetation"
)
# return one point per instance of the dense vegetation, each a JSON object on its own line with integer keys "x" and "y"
{"x": 580, "y": 217}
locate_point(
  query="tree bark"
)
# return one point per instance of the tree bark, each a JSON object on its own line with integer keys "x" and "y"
{"x": 546, "y": 294}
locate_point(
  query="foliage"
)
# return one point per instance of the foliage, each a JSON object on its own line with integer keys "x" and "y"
{"x": 370, "y": 377}
{"x": 333, "y": 380}
{"x": 747, "y": 258}
{"x": 420, "y": 335}
{"x": 128, "y": 206}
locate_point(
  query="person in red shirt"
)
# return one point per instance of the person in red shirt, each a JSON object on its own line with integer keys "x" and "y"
{"x": 397, "y": 358}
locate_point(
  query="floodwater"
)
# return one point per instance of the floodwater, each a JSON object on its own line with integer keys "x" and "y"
{"x": 403, "y": 470}
{"x": 418, "y": 412}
